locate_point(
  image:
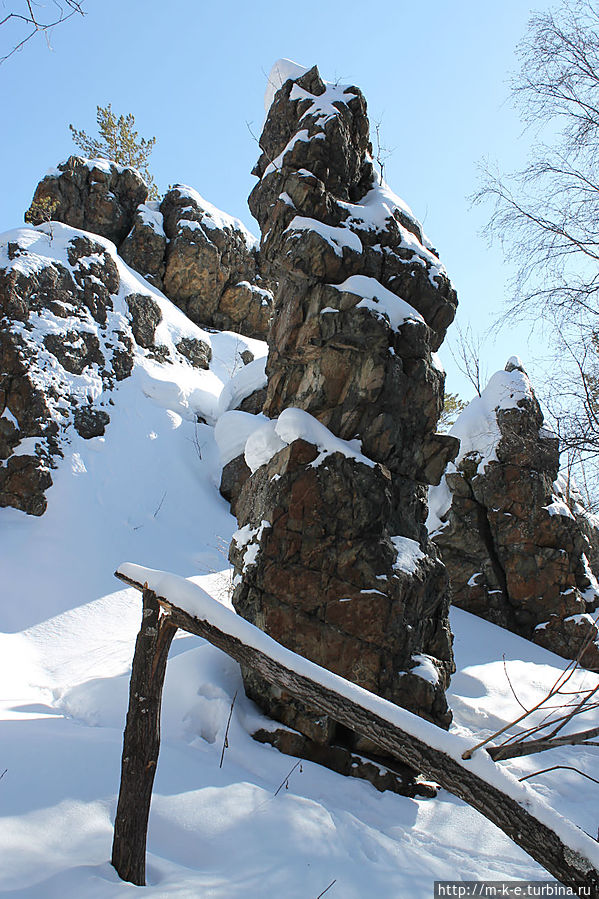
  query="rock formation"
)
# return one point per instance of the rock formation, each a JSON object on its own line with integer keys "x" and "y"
{"x": 332, "y": 557}
{"x": 73, "y": 321}
{"x": 204, "y": 260}
{"x": 212, "y": 266}
{"x": 515, "y": 540}
{"x": 92, "y": 194}
{"x": 144, "y": 247}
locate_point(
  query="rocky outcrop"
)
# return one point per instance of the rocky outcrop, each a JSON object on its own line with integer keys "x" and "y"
{"x": 515, "y": 540}
{"x": 73, "y": 319}
{"x": 204, "y": 260}
{"x": 332, "y": 557}
{"x": 93, "y": 194}
{"x": 212, "y": 267}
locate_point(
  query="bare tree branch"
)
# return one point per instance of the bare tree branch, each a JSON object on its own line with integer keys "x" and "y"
{"x": 31, "y": 22}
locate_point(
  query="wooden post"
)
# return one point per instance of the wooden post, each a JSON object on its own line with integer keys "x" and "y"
{"x": 141, "y": 741}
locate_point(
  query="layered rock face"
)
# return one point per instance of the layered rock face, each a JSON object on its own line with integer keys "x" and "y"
{"x": 212, "y": 266}
{"x": 73, "y": 320}
{"x": 332, "y": 557}
{"x": 515, "y": 540}
{"x": 205, "y": 261}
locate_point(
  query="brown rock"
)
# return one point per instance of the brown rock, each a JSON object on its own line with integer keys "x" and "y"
{"x": 517, "y": 548}
{"x": 324, "y": 572}
{"x": 211, "y": 266}
{"x": 93, "y": 194}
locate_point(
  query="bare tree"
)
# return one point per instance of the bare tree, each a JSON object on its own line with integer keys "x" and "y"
{"x": 467, "y": 355}
{"x": 547, "y": 215}
{"x": 28, "y": 18}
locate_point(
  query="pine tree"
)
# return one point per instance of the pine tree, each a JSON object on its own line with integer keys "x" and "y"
{"x": 452, "y": 407}
{"x": 118, "y": 142}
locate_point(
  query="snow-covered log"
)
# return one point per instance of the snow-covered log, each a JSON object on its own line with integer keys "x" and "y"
{"x": 559, "y": 846}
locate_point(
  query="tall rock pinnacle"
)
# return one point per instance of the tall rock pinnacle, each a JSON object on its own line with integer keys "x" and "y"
{"x": 332, "y": 557}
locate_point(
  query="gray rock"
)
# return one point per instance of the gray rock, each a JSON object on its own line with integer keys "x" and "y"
{"x": 145, "y": 316}
{"x": 90, "y": 422}
{"x": 144, "y": 248}
{"x": 195, "y": 351}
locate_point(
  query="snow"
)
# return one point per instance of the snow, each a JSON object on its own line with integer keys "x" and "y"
{"x": 409, "y": 554}
{"x": 476, "y": 427}
{"x": 380, "y": 300}
{"x": 558, "y": 507}
{"x": 248, "y": 538}
{"x": 437, "y": 364}
{"x": 581, "y": 618}
{"x": 372, "y": 214}
{"x": 337, "y": 237}
{"x": 296, "y": 424}
{"x": 322, "y": 107}
{"x": 262, "y": 444}
{"x": 232, "y": 431}
{"x": 150, "y": 215}
{"x": 251, "y": 377}
{"x": 277, "y": 162}
{"x": 281, "y": 71}
{"x": 7, "y": 414}
{"x": 425, "y": 668}
{"x": 148, "y": 491}
{"x": 98, "y": 162}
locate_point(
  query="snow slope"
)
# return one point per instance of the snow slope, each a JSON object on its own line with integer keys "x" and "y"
{"x": 147, "y": 491}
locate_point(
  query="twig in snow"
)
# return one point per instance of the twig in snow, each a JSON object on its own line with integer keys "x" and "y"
{"x": 555, "y": 768}
{"x": 511, "y": 685}
{"x": 226, "y": 740}
{"x": 3, "y": 773}
{"x": 285, "y": 781}
{"x": 327, "y": 889}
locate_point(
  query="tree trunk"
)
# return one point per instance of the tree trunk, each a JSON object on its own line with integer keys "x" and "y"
{"x": 141, "y": 741}
{"x": 539, "y": 840}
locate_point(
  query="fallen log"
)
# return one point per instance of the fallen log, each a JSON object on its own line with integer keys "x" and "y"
{"x": 565, "y": 851}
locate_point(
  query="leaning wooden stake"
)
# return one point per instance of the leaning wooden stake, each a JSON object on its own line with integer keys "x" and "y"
{"x": 141, "y": 741}
{"x": 538, "y": 839}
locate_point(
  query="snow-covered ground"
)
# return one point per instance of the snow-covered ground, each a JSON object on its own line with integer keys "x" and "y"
{"x": 147, "y": 492}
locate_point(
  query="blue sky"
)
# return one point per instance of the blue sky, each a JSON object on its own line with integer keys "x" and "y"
{"x": 435, "y": 75}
